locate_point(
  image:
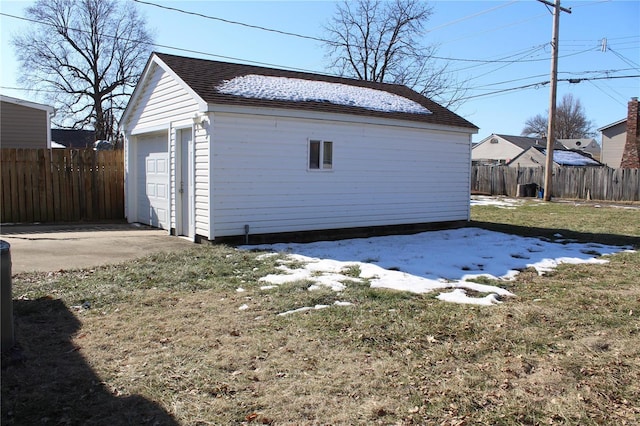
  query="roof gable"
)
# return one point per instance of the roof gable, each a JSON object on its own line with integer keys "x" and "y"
{"x": 208, "y": 79}
{"x": 583, "y": 144}
{"x": 624, "y": 120}
{"x": 561, "y": 157}
{"x": 522, "y": 142}
{"x": 526, "y": 142}
{"x": 25, "y": 103}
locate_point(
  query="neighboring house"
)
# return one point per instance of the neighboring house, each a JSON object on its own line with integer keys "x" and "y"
{"x": 217, "y": 150}
{"x": 74, "y": 138}
{"x": 614, "y": 137}
{"x": 502, "y": 149}
{"x": 24, "y": 124}
{"x": 621, "y": 140}
{"x": 536, "y": 157}
{"x": 587, "y": 145}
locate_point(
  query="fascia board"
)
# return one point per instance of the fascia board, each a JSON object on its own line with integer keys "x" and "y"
{"x": 327, "y": 116}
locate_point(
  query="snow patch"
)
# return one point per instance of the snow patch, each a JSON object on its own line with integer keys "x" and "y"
{"x": 428, "y": 261}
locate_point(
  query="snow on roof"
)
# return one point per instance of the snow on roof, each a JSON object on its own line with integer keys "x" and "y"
{"x": 300, "y": 90}
{"x": 571, "y": 158}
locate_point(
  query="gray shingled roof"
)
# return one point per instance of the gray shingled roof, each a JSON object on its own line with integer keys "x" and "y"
{"x": 526, "y": 142}
{"x": 203, "y": 76}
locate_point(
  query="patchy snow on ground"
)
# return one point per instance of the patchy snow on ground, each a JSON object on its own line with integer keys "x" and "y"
{"x": 445, "y": 261}
{"x": 300, "y": 90}
{"x": 501, "y": 202}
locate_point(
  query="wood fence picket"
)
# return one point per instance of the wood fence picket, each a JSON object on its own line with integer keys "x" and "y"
{"x": 596, "y": 183}
{"x": 61, "y": 185}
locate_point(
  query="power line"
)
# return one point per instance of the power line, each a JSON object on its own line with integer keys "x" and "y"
{"x": 472, "y": 16}
{"x": 480, "y": 62}
{"x": 609, "y": 94}
{"x": 198, "y": 52}
{"x": 288, "y": 33}
{"x": 494, "y": 29}
{"x": 625, "y": 59}
{"x": 228, "y": 21}
{"x": 314, "y": 38}
{"x": 232, "y": 58}
{"x": 544, "y": 83}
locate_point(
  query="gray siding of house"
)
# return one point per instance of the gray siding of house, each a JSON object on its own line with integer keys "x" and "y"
{"x": 613, "y": 140}
{"x": 22, "y": 126}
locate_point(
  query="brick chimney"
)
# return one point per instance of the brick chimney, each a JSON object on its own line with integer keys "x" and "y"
{"x": 631, "y": 153}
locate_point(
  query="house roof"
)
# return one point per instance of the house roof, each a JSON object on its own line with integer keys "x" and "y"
{"x": 26, "y": 103}
{"x": 561, "y": 157}
{"x": 565, "y": 157}
{"x": 526, "y": 142}
{"x": 206, "y": 78}
{"x": 583, "y": 144}
{"x": 74, "y": 138}
{"x": 612, "y": 124}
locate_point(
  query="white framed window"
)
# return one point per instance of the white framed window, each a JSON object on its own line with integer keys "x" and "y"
{"x": 320, "y": 155}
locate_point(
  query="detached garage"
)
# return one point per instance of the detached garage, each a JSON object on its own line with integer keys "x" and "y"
{"x": 216, "y": 150}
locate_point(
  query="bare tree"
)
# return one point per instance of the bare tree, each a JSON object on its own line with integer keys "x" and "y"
{"x": 536, "y": 126}
{"x": 571, "y": 121}
{"x": 85, "y": 56}
{"x": 381, "y": 41}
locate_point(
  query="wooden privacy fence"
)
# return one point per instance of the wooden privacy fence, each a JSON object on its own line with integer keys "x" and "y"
{"x": 596, "y": 183}
{"x": 61, "y": 185}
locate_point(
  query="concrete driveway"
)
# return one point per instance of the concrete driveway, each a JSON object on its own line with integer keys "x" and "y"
{"x": 55, "y": 247}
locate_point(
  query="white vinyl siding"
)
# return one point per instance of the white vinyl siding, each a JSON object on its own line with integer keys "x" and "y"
{"x": 202, "y": 173}
{"x": 251, "y": 164}
{"x": 170, "y": 107}
{"x": 164, "y": 100}
{"x": 386, "y": 175}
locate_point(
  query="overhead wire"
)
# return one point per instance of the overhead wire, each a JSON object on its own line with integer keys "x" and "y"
{"x": 474, "y": 15}
{"x": 607, "y": 92}
{"x": 477, "y": 62}
{"x": 228, "y": 21}
{"x": 544, "y": 83}
{"x": 625, "y": 59}
{"x": 180, "y": 49}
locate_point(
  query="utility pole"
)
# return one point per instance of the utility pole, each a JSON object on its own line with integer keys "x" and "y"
{"x": 551, "y": 130}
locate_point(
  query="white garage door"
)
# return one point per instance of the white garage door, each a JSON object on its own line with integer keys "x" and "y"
{"x": 153, "y": 180}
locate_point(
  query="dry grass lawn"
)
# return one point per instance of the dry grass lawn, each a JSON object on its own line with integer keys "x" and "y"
{"x": 164, "y": 342}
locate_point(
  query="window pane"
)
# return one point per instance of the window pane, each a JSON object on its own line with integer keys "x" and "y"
{"x": 327, "y": 155}
{"x": 314, "y": 154}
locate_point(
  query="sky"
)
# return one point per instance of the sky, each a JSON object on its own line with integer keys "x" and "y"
{"x": 501, "y": 49}
{"x": 444, "y": 261}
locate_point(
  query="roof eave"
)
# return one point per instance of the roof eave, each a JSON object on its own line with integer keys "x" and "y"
{"x": 612, "y": 124}
{"x": 335, "y": 116}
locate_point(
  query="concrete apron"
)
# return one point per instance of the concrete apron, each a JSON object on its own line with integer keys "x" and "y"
{"x": 48, "y": 248}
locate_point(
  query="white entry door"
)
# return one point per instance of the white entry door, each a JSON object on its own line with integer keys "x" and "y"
{"x": 185, "y": 184}
{"x": 153, "y": 180}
